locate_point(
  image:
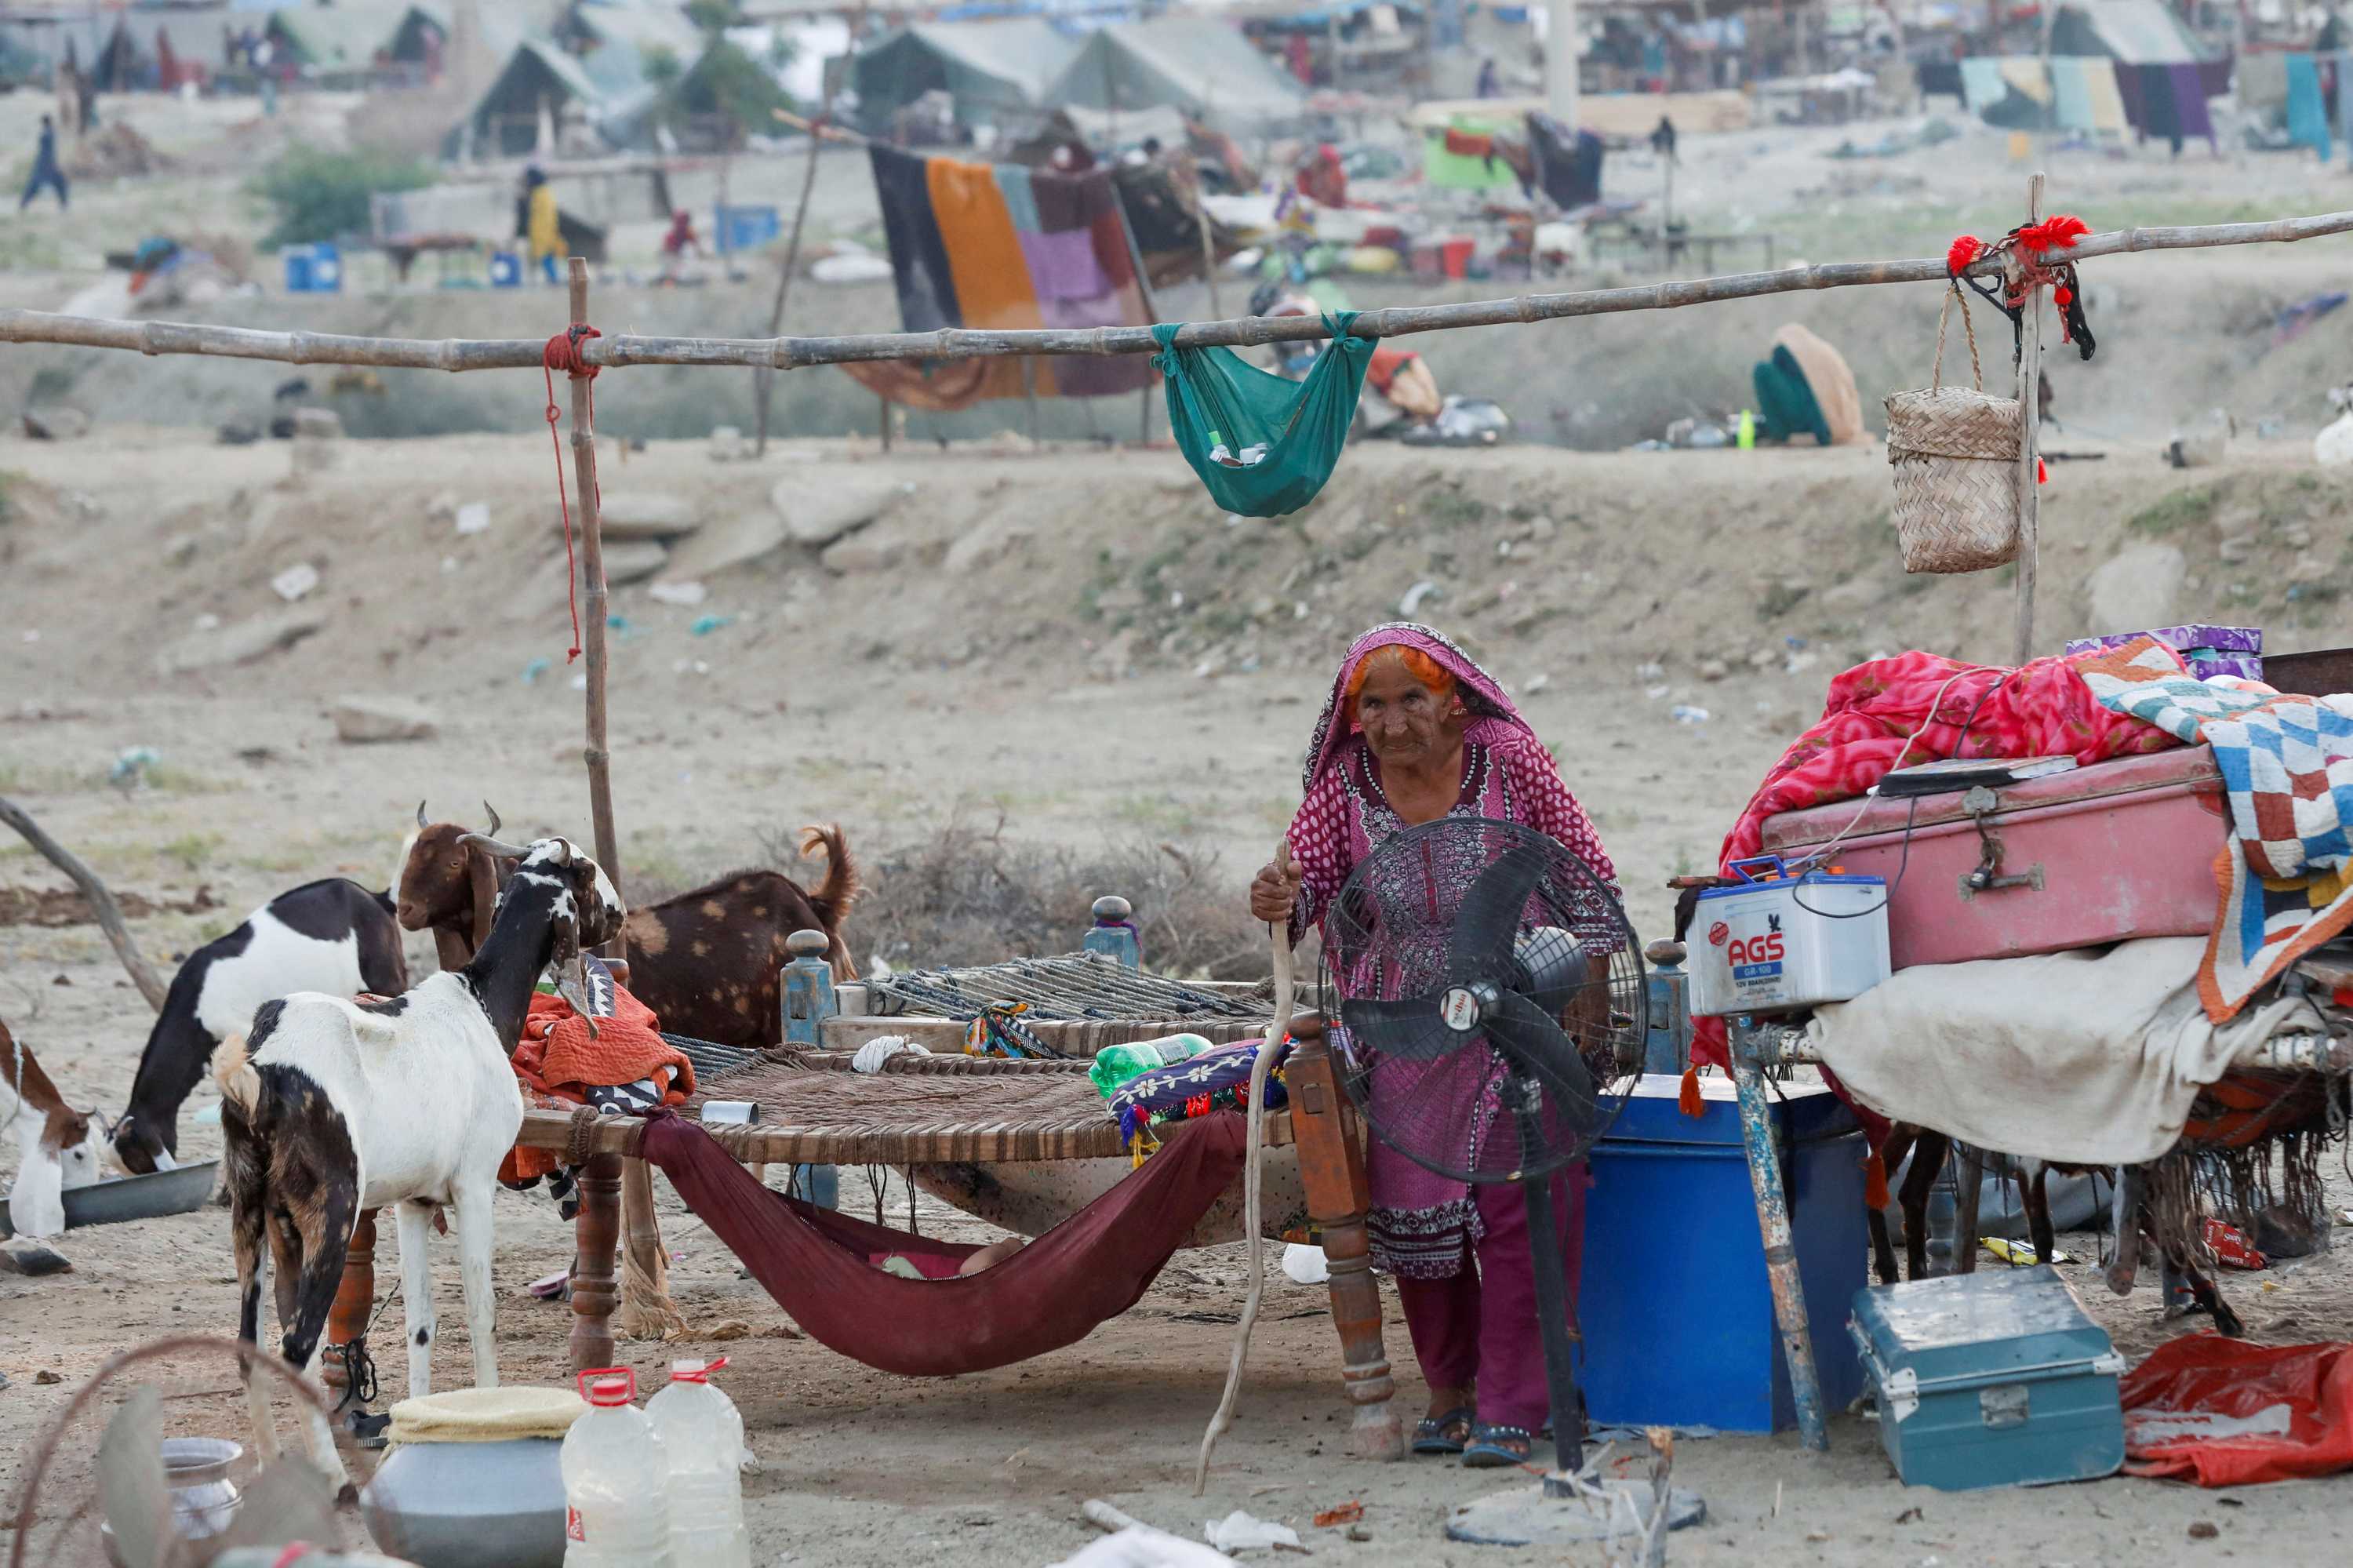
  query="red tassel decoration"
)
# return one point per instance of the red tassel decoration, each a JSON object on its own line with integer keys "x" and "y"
{"x": 1688, "y": 1099}
{"x": 2062, "y": 296}
{"x": 1964, "y": 251}
{"x": 2058, "y": 232}
{"x": 1875, "y": 1181}
{"x": 2041, "y": 472}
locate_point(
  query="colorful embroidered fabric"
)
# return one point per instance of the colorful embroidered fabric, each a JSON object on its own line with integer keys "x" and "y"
{"x": 997, "y": 1030}
{"x": 2287, "y": 773}
{"x": 1217, "y": 1079}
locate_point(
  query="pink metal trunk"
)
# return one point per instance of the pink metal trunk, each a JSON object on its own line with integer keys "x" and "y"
{"x": 2118, "y": 850}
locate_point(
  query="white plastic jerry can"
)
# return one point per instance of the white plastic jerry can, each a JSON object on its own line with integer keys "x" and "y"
{"x": 703, "y": 1435}
{"x": 616, "y": 1515}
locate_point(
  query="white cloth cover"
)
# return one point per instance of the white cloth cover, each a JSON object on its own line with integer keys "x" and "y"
{"x": 2089, "y": 1057}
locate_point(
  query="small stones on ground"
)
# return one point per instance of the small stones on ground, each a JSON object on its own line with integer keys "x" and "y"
{"x": 360, "y": 720}
{"x": 45, "y": 1377}
{"x": 2203, "y": 1530}
{"x": 295, "y": 581}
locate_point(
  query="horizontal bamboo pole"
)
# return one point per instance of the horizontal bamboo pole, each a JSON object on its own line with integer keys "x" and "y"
{"x": 957, "y": 342}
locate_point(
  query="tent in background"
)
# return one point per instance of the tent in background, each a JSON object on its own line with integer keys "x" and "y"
{"x": 991, "y": 69}
{"x": 1197, "y": 64}
{"x": 2137, "y": 32}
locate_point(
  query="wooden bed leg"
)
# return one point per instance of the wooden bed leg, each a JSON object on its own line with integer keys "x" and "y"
{"x": 594, "y": 1290}
{"x": 1333, "y": 1168}
{"x": 347, "y": 1319}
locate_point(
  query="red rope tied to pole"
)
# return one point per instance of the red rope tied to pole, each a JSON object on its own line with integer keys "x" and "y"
{"x": 562, "y": 353}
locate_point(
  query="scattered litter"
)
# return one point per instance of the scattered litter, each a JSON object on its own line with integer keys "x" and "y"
{"x": 534, "y": 670}
{"x": 448, "y": 566}
{"x": 130, "y": 769}
{"x": 295, "y": 581}
{"x": 1638, "y": 1435}
{"x": 1652, "y": 670}
{"x": 704, "y": 625}
{"x": 1240, "y": 1531}
{"x": 1141, "y": 1546}
{"x": 2231, "y": 1248}
{"x": 1655, "y": 693}
{"x": 474, "y": 517}
{"x": 550, "y": 1287}
{"x": 1304, "y": 1265}
{"x": 1411, "y": 602}
{"x": 2017, "y": 1252}
{"x": 580, "y": 681}
{"x": 1348, "y": 1512}
{"x": 1687, "y": 713}
{"x": 1537, "y": 683}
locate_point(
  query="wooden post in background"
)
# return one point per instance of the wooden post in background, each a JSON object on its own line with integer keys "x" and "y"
{"x": 647, "y": 1309}
{"x": 764, "y": 386}
{"x": 2030, "y": 430}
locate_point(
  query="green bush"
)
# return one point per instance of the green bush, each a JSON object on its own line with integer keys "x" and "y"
{"x": 324, "y": 195}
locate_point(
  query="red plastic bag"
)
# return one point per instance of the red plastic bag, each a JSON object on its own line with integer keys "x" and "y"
{"x": 2224, "y": 1413}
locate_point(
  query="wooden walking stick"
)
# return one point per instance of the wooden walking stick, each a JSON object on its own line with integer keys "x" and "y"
{"x": 647, "y": 1311}
{"x": 1253, "y": 1228}
{"x": 764, "y": 388}
{"x": 2029, "y": 430}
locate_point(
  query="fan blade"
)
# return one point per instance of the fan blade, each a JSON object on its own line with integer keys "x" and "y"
{"x": 1489, "y": 917}
{"x": 1407, "y": 1030}
{"x": 1520, "y": 1031}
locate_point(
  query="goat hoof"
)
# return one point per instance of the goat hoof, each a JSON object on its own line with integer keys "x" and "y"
{"x": 347, "y": 1495}
{"x": 2227, "y": 1323}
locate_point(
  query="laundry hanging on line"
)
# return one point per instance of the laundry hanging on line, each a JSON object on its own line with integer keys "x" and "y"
{"x": 1004, "y": 248}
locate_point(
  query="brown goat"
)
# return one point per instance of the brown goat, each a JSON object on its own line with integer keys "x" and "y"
{"x": 449, "y": 887}
{"x": 706, "y": 961}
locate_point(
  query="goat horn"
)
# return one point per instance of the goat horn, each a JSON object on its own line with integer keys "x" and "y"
{"x": 492, "y": 846}
{"x": 420, "y": 816}
{"x": 494, "y": 817}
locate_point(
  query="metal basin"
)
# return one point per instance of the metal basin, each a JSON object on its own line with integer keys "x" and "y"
{"x": 470, "y": 1505}
{"x": 1032, "y": 1197}
{"x": 147, "y": 1197}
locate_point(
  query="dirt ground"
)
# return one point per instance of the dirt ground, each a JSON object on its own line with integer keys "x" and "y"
{"x": 1007, "y": 636}
{"x": 1073, "y": 640}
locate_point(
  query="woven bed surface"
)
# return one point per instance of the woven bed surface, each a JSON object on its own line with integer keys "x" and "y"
{"x": 984, "y": 1112}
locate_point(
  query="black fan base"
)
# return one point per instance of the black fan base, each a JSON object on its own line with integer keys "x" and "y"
{"x": 1530, "y": 1516}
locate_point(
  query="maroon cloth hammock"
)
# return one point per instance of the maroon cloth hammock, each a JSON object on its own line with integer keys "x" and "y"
{"x": 814, "y": 1262}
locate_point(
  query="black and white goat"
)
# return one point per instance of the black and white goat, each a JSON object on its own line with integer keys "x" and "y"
{"x": 330, "y": 1107}
{"x": 332, "y": 936}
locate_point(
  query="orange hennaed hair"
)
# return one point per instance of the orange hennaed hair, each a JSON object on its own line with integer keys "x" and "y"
{"x": 1418, "y": 664}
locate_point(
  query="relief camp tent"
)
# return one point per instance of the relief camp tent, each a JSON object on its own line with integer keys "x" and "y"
{"x": 992, "y": 70}
{"x": 2132, "y": 32}
{"x": 1196, "y": 64}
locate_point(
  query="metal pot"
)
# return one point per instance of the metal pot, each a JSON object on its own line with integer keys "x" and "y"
{"x": 470, "y": 1505}
{"x": 204, "y": 1499}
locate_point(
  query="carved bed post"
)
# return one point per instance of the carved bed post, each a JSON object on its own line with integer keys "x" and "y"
{"x": 1333, "y": 1168}
{"x": 594, "y": 1290}
{"x": 347, "y": 1319}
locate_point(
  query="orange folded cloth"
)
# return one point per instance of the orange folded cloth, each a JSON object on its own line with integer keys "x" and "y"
{"x": 556, "y": 1058}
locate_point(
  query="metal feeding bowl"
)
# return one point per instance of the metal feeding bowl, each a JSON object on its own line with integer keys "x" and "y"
{"x": 148, "y": 1197}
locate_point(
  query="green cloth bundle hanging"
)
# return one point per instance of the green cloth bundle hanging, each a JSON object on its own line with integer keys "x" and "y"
{"x": 1217, "y": 400}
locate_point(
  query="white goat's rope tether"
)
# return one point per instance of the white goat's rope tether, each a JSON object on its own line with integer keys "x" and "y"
{"x": 1253, "y": 1229}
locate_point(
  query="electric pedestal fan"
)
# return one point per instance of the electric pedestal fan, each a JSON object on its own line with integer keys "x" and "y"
{"x": 1494, "y": 1012}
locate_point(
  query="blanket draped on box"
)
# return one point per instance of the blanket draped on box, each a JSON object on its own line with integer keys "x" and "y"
{"x": 2287, "y": 773}
{"x": 823, "y": 1268}
{"x": 2041, "y": 709}
{"x": 2093, "y": 1056}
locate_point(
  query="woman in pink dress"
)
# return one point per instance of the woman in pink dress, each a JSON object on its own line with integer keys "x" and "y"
{"x": 1414, "y": 731}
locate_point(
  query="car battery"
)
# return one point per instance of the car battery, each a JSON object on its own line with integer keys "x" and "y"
{"x": 1774, "y": 942}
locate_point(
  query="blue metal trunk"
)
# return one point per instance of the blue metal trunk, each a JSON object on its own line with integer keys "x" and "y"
{"x": 1673, "y": 1300}
{"x": 1992, "y": 1379}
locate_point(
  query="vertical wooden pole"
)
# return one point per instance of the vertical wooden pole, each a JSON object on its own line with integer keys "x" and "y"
{"x": 1780, "y": 1249}
{"x": 763, "y": 386}
{"x": 648, "y": 1309}
{"x": 1332, "y": 1168}
{"x": 886, "y": 421}
{"x": 347, "y": 1319}
{"x": 2029, "y": 430}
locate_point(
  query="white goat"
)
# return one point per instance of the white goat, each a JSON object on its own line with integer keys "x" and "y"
{"x": 57, "y": 1146}
{"x": 330, "y": 1107}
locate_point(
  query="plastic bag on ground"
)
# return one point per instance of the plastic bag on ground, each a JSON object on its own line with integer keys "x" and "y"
{"x": 2225, "y": 1413}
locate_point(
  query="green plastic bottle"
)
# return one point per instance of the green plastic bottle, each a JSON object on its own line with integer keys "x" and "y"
{"x": 1116, "y": 1065}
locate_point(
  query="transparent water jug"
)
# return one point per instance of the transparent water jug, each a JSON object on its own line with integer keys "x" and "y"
{"x": 703, "y": 1435}
{"x": 615, "y": 1515}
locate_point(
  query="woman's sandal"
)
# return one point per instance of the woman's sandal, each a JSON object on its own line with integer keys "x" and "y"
{"x": 1443, "y": 1433}
{"x": 1490, "y": 1447}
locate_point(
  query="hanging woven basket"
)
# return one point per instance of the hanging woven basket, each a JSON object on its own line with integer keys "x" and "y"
{"x": 1955, "y": 453}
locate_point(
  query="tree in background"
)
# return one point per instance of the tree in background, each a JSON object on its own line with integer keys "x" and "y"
{"x": 322, "y": 196}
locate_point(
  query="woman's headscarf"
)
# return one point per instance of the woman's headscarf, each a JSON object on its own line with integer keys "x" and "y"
{"x": 1481, "y": 692}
